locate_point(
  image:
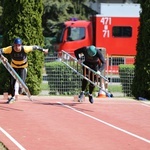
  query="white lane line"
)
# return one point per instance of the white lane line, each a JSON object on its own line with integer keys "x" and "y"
{"x": 108, "y": 124}
{"x": 12, "y": 139}
{"x": 146, "y": 105}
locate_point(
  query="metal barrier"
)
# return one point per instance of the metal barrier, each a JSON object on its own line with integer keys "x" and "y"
{"x": 113, "y": 73}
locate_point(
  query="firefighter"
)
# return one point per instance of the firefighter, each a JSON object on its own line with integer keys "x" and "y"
{"x": 18, "y": 53}
{"x": 94, "y": 59}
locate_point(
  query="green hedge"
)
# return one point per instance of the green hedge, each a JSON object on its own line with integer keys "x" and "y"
{"x": 61, "y": 79}
{"x": 126, "y": 73}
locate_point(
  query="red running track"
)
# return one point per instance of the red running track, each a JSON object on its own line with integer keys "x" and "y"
{"x": 59, "y": 123}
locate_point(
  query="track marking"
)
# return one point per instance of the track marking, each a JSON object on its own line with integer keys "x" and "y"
{"x": 12, "y": 139}
{"x": 108, "y": 124}
{"x": 146, "y": 105}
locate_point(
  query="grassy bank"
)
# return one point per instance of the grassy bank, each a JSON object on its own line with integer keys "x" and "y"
{"x": 3, "y": 147}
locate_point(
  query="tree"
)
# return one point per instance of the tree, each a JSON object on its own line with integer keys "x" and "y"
{"x": 23, "y": 18}
{"x": 1, "y": 11}
{"x": 141, "y": 81}
{"x": 59, "y": 11}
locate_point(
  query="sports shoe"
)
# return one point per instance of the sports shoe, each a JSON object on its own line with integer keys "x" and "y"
{"x": 91, "y": 98}
{"x": 11, "y": 100}
{"x": 81, "y": 97}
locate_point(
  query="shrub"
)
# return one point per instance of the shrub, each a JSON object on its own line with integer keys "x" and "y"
{"x": 126, "y": 73}
{"x": 61, "y": 79}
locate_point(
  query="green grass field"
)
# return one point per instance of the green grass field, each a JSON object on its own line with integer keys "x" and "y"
{"x": 115, "y": 88}
{"x": 2, "y": 146}
{"x": 44, "y": 86}
{"x": 112, "y": 87}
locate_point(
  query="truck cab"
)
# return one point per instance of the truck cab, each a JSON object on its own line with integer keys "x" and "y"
{"x": 116, "y": 30}
{"x": 72, "y": 35}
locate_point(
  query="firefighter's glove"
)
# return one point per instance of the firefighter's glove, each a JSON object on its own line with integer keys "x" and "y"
{"x": 98, "y": 73}
{"x": 45, "y": 51}
{"x": 79, "y": 61}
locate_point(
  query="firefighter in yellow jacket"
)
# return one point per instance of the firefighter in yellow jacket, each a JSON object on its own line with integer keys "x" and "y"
{"x": 18, "y": 53}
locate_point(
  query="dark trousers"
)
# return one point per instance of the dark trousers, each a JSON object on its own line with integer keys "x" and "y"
{"x": 22, "y": 72}
{"x": 92, "y": 77}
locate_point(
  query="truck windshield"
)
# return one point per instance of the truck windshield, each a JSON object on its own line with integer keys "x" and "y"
{"x": 76, "y": 33}
{"x": 60, "y": 32}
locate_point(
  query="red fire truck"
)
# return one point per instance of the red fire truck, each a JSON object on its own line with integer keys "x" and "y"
{"x": 116, "y": 32}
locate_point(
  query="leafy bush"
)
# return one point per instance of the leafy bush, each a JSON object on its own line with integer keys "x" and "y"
{"x": 61, "y": 79}
{"x": 25, "y": 23}
{"x": 141, "y": 81}
{"x": 126, "y": 73}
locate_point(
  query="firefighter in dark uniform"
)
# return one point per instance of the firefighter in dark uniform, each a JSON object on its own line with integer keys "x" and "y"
{"x": 18, "y": 53}
{"x": 94, "y": 59}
